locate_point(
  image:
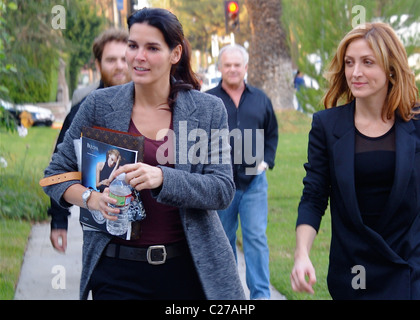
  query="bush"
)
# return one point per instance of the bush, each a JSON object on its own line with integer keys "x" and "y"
{"x": 21, "y": 196}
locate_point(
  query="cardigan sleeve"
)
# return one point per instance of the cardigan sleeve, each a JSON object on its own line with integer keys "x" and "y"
{"x": 316, "y": 191}
{"x": 64, "y": 159}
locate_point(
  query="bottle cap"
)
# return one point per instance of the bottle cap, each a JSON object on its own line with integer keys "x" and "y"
{"x": 121, "y": 176}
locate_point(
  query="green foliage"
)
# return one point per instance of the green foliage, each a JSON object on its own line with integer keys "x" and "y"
{"x": 5, "y": 67}
{"x": 31, "y": 46}
{"x": 32, "y": 49}
{"x": 31, "y": 206}
{"x": 83, "y": 25}
{"x": 284, "y": 192}
{"x": 13, "y": 238}
{"x": 316, "y": 27}
{"x": 22, "y": 200}
{"x": 21, "y": 196}
{"x": 35, "y": 85}
{"x": 201, "y": 19}
{"x": 7, "y": 121}
{"x": 310, "y": 99}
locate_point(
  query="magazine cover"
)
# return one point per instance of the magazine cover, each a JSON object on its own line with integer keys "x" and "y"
{"x": 99, "y": 161}
{"x": 116, "y": 138}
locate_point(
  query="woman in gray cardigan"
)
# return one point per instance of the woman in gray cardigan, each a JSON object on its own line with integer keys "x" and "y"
{"x": 180, "y": 196}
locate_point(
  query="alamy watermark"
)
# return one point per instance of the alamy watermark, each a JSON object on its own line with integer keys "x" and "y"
{"x": 58, "y": 20}
{"x": 196, "y": 147}
{"x": 359, "y": 280}
{"x": 359, "y": 20}
{"x": 59, "y": 280}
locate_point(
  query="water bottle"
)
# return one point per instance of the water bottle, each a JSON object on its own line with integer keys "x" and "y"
{"x": 120, "y": 190}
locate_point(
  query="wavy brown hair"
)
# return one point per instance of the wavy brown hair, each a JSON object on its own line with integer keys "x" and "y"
{"x": 167, "y": 23}
{"x": 109, "y": 35}
{"x": 403, "y": 95}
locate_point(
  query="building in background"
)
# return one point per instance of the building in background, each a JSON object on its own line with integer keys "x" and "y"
{"x": 117, "y": 11}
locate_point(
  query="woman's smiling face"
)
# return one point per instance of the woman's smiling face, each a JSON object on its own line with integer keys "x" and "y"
{"x": 365, "y": 76}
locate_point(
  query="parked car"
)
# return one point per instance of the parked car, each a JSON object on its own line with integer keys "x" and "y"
{"x": 39, "y": 115}
{"x": 6, "y": 104}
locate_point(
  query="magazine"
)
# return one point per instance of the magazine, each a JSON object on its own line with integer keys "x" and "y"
{"x": 99, "y": 161}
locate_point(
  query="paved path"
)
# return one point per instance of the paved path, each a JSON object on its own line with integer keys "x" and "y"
{"x": 43, "y": 267}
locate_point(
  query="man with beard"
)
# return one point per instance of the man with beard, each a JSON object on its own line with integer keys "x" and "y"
{"x": 109, "y": 52}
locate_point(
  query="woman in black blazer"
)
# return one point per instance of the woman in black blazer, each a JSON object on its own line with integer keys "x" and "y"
{"x": 365, "y": 157}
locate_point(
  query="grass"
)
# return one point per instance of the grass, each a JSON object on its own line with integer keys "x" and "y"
{"x": 29, "y": 154}
{"x": 26, "y": 159}
{"x": 284, "y": 192}
{"x": 22, "y": 200}
{"x": 13, "y": 238}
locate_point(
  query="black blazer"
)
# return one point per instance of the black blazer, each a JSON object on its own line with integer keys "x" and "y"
{"x": 387, "y": 260}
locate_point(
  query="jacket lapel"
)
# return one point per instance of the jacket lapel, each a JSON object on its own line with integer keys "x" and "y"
{"x": 405, "y": 149}
{"x": 122, "y": 107}
{"x": 344, "y": 168}
{"x": 343, "y": 156}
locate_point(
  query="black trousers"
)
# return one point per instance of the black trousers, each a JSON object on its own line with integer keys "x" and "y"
{"x": 119, "y": 279}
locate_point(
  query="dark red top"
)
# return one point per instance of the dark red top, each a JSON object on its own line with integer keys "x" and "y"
{"x": 162, "y": 224}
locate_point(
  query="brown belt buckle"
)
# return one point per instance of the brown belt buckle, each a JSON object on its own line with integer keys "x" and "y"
{"x": 149, "y": 254}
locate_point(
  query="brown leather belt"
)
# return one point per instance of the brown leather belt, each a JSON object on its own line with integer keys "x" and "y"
{"x": 153, "y": 255}
{"x": 58, "y": 178}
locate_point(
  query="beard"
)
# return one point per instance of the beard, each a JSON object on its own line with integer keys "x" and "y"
{"x": 114, "y": 79}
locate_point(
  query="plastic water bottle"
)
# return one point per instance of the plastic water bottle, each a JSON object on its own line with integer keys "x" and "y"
{"x": 120, "y": 190}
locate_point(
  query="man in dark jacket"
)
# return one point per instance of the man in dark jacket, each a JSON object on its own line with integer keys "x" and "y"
{"x": 109, "y": 52}
{"x": 253, "y": 138}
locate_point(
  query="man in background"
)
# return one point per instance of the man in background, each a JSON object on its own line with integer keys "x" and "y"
{"x": 249, "y": 110}
{"x": 109, "y": 52}
{"x": 299, "y": 82}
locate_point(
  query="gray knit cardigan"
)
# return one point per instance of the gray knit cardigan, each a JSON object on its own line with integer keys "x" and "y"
{"x": 197, "y": 188}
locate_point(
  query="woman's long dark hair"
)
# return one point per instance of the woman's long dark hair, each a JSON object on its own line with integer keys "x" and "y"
{"x": 171, "y": 28}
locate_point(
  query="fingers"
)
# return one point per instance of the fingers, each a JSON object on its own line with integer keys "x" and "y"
{"x": 104, "y": 207}
{"x": 141, "y": 176}
{"x": 58, "y": 239}
{"x": 302, "y": 280}
{"x": 127, "y": 168}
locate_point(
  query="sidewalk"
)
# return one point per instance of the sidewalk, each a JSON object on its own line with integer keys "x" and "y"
{"x": 42, "y": 263}
{"x": 43, "y": 267}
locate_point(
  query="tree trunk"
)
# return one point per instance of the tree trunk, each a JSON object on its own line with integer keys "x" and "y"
{"x": 270, "y": 64}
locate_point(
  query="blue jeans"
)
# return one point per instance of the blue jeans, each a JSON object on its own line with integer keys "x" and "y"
{"x": 252, "y": 208}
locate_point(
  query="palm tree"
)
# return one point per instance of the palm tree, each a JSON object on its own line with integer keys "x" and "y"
{"x": 270, "y": 65}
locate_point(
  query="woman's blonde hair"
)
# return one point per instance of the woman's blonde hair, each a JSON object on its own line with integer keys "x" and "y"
{"x": 403, "y": 94}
